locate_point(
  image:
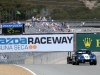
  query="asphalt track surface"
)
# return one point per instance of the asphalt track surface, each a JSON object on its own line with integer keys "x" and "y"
{"x": 62, "y": 68}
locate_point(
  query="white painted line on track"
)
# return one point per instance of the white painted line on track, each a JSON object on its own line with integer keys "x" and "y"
{"x": 26, "y": 69}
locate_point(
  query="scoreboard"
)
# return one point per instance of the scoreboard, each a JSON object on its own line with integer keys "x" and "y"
{"x": 11, "y": 29}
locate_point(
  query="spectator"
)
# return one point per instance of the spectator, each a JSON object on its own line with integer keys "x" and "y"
{"x": 82, "y": 23}
{"x": 44, "y": 21}
{"x": 40, "y": 30}
{"x": 18, "y": 22}
{"x": 68, "y": 27}
{"x": 65, "y": 24}
{"x": 49, "y": 19}
{"x": 27, "y": 24}
{"x": 62, "y": 23}
{"x": 13, "y": 23}
{"x": 33, "y": 20}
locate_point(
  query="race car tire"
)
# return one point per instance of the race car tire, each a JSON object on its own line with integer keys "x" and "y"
{"x": 77, "y": 62}
{"x": 68, "y": 58}
{"x": 95, "y": 62}
{"x": 91, "y": 63}
{"x": 73, "y": 63}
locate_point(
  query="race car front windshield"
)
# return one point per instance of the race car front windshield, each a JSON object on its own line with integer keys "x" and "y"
{"x": 83, "y": 52}
{"x": 80, "y": 52}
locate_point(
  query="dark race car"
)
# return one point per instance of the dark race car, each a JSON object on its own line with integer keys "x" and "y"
{"x": 82, "y": 56}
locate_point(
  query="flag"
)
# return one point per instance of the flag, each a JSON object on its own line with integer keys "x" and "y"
{"x": 45, "y": 9}
{"x": 34, "y": 10}
{"x": 5, "y": 14}
{"x": 17, "y": 12}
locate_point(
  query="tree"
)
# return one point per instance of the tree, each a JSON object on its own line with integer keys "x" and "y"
{"x": 45, "y": 9}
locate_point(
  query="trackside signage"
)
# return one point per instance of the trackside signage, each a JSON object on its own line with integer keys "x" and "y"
{"x": 26, "y": 43}
{"x": 12, "y": 25}
{"x": 88, "y": 41}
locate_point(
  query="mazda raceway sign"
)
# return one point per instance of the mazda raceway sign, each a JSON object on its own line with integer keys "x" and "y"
{"x": 41, "y": 42}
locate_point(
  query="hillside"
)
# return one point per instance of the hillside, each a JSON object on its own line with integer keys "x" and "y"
{"x": 67, "y": 3}
{"x": 57, "y": 9}
{"x": 90, "y": 4}
{"x": 57, "y": 3}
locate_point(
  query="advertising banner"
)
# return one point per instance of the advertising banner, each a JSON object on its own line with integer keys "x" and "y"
{"x": 88, "y": 41}
{"x": 12, "y": 25}
{"x": 41, "y": 42}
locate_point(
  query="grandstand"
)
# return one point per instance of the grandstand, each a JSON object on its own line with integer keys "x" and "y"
{"x": 75, "y": 26}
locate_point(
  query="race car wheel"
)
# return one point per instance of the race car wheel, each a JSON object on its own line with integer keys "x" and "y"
{"x": 68, "y": 58}
{"x": 77, "y": 62}
{"x": 91, "y": 63}
{"x": 73, "y": 63}
{"x": 95, "y": 62}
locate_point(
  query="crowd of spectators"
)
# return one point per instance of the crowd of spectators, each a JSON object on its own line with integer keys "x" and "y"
{"x": 45, "y": 24}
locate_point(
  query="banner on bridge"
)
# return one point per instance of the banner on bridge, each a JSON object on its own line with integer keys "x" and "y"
{"x": 41, "y": 42}
{"x": 88, "y": 41}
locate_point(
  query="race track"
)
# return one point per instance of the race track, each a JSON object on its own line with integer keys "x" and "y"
{"x": 62, "y": 68}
